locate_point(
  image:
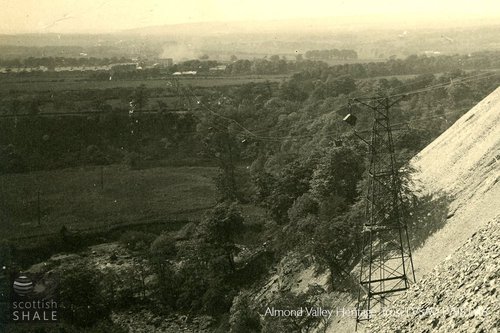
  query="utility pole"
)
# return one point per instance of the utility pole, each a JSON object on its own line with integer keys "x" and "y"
{"x": 177, "y": 85}
{"x": 386, "y": 266}
{"x": 39, "y": 217}
{"x": 102, "y": 177}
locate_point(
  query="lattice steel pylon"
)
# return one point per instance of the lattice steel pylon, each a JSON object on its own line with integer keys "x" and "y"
{"x": 386, "y": 266}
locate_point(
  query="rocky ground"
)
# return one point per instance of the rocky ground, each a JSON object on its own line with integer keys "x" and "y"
{"x": 294, "y": 273}
{"x": 460, "y": 295}
{"x": 146, "y": 322}
{"x": 115, "y": 258}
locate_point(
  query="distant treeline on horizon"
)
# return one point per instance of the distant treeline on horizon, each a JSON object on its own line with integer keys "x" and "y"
{"x": 331, "y": 54}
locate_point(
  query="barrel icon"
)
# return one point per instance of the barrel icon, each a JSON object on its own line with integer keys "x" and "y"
{"x": 23, "y": 285}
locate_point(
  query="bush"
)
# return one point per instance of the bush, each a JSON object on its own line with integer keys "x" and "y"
{"x": 120, "y": 288}
{"x": 217, "y": 298}
{"x": 82, "y": 297}
{"x": 137, "y": 240}
{"x": 303, "y": 206}
{"x": 163, "y": 246}
{"x": 243, "y": 317}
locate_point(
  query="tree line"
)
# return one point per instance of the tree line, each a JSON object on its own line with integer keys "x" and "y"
{"x": 331, "y": 54}
{"x": 52, "y": 62}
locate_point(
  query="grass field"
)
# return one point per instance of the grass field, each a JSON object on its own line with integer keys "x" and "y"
{"x": 46, "y": 83}
{"x": 73, "y": 197}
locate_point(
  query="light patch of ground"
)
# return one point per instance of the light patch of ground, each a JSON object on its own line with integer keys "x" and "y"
{"x": 294, "y": 273}
{"x": 102, "y": 256}
{"x": 463, "y": 162}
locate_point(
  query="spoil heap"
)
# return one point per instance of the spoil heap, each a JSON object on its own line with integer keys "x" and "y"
{"x": 459, "y": 265}
{"x": 462, "y": 165}
{"x": 459, "y": 295}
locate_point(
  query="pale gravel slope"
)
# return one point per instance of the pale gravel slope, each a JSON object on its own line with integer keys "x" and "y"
{"x": 459, "y": 295}
{"x": 463, "y": 162}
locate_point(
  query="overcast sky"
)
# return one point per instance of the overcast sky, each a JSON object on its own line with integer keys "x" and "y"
{"x": 110, "y": 15}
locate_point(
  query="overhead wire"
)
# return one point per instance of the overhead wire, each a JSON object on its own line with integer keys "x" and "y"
{"x": 472, "y": 78}
{"x": 256, "y": 136}
{"x": 275, "y": 138}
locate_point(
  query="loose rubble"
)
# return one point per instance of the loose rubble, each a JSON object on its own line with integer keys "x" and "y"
{"x": 459, "y": 295}
{"x": 146, "y": 322}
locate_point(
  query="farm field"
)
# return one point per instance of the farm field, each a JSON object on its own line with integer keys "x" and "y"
{"x": 73, "y": 197}
{"x": 45, "y": 83}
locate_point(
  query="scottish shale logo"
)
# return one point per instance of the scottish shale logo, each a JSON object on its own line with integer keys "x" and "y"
{"x": 23, "y": 285}
{"x": 33, "y": 299}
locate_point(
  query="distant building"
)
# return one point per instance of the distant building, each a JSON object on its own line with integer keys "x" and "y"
{"x": 432, "y": 53}
{"x": 219, "y": 68}
{"x": 185, "y": 73}
{"x": 78, "y": 68}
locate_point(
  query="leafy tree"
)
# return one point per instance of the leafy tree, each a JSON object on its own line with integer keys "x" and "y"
{"x": 335, "y": 243}
{"x": 263, "y": 183}
{"x": 162, "y": 251}
{"x": 344, "y": 84}
{"x": 293, "y": 91}
{"x": 243, "y": 319}
{"x": 202, "y": 277}
{"x": 292, "y": 182}
{"x": 82, "y": 296}
{"x": 140, "y": 97}
{"x": 218, "y": 297}
{"x": 220, "y": 142}
{"x": 274, "y": 57}
{"x": 207, "y": 262}
{"x": 220, "y": 228}
{"x": 302, "y": 207}
{"x": 337, "y": 173}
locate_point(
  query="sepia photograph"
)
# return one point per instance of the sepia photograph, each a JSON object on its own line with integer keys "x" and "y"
{"x": 218, "y": 166}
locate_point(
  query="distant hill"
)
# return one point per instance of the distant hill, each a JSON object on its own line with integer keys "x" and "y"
{"x": 305, "y": 25}
{"x": 371, "y": 37}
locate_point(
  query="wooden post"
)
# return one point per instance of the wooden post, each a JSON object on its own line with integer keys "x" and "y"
{"x": 102, "y": 177}
{"x": 38, "y": 208}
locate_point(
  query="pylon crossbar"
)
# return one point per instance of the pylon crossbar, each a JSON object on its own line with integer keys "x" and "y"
{"x": 386, "y": 279}
{"x": 388, "y": 291}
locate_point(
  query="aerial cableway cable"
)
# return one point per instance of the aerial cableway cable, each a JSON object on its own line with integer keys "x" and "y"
{"x": 258, "y": 137}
